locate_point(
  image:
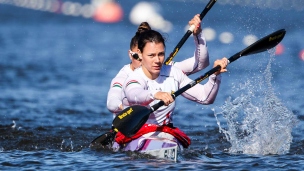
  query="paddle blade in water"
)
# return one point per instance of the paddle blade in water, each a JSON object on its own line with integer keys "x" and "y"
{"x": 130, "y": 120}
{"x": 103, "y": 140}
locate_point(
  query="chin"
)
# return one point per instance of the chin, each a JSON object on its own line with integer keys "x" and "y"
{"x": 156, "y": 72}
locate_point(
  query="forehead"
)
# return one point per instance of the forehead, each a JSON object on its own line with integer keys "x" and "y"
{"x": 152, "y": 47}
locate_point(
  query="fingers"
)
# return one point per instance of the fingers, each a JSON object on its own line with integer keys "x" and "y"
{"x": 223, "y": 63}
{"x": 165, "y": 97}
{"x": 196, "y": 21}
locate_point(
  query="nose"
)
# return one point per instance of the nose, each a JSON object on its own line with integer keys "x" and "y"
{"x": 160, "y": 58}
{"x": 157, "y": 59}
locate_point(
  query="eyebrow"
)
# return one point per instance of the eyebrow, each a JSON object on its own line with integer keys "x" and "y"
{"x": 163, "y": 52}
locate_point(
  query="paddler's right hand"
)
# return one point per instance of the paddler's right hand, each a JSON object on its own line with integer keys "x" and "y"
{"x": 164, "y": 96}
{"x": 196, "y": 21}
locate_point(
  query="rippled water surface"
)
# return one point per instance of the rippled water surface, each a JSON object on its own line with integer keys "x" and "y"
{"x": 55, "y": 72}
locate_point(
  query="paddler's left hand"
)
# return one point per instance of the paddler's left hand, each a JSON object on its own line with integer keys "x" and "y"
{"x": 223, "y": 63}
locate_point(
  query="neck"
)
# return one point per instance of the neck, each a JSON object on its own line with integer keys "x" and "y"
{"x": 132, "y": 67}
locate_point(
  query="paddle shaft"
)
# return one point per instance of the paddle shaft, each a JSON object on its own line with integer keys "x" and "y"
{"x": 263, "y": 44}
{"x": 188, "y": 33}
{"x": 188, "y": 86}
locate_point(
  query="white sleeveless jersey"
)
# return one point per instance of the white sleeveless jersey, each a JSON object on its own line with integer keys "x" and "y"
{"x": 140, "y": 90}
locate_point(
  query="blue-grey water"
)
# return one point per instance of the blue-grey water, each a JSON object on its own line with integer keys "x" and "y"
{"x": 55, "y": 72}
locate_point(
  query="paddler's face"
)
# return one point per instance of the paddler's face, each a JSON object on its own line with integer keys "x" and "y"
{"x": 153, "y": 56}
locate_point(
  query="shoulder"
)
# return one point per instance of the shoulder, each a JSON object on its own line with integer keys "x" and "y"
{"x": 137, "y": 74}
{"x": 124, "y": 71}
{"x": 122, "y": 75}
{"x": 136, "y": 77}
{"x": 117, "y": 81}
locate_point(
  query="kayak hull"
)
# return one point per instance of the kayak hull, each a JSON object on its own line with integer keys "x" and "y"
{"x": 162, "y": 147}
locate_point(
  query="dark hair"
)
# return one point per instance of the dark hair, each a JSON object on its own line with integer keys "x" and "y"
{"x": 149, "y": 36}
{"x": 144, "y": 26}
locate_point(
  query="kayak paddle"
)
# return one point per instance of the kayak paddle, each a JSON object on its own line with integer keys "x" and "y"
{"x": 131, "y": 119}
{"x": 103, "y": 140}
{"x": 189, "y": 32}
{"x": 106, "y": 137}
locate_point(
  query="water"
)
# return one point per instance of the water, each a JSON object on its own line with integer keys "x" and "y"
{"x": 258, "y": 122}
{"x": 55, "y": 71}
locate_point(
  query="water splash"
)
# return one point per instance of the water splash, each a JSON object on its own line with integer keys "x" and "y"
{"x": 62, "y": 144}
{"x": 67, "y": 145}
{"x": 14, "y": 124}
{"x": 257, "y": 121}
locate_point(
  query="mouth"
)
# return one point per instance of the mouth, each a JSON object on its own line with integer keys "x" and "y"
{"x": 156, "y": 67}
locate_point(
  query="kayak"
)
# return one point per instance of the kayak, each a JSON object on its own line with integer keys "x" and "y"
{"x": 158, "y": 144}
{"x": 162, "y": 146}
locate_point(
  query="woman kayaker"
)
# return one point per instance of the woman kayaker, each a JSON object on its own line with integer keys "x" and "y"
{"x": 153, "y": 81}
{"x": 199, "y": 61}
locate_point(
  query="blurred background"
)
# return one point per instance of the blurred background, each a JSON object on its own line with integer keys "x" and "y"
{"x": 57, "y": 59}
{"x": 87, "y": 41}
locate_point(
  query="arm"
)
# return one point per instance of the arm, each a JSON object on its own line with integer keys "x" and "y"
{"x": 204, "y": 94}
{"x": 115, "y": 95}
{"x": 199, "y": 61}
{"x": 136, "y": 91}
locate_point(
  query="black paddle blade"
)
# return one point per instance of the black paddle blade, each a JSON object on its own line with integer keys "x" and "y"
{"x": 131, "y": 119}
{"x": 103, "y": 140}
{"x": 261, "y": 45}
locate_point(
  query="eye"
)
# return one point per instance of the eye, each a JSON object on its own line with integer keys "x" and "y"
{"x": 161, "y": 54}
{"x": 151, "y": 55}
